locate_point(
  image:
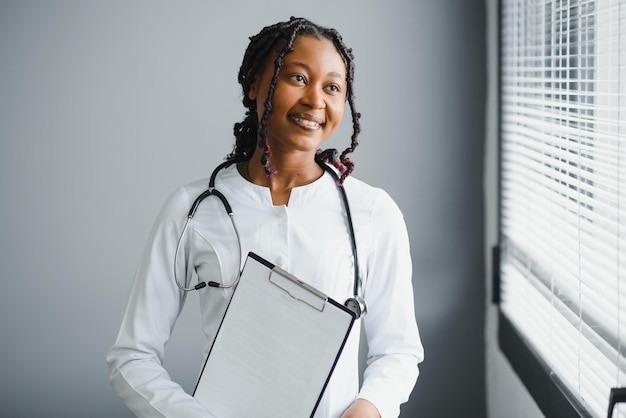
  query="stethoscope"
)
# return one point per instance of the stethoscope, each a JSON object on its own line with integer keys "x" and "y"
{"x": 356, "y": 304}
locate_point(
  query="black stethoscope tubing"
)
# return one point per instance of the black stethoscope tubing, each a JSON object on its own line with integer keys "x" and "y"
{"x": 356, "y": 303}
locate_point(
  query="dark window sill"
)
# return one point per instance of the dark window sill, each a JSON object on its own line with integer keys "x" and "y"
{"x": 553, "y": 400}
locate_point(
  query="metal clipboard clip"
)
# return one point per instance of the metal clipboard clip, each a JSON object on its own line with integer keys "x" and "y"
{"x": 297, "y": 289}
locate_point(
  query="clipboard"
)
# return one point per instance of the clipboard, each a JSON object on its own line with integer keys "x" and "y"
{"x": 276, "y": 348}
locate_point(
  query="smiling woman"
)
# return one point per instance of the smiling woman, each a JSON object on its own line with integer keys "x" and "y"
{"x": 296, "y": 78}
{"x": 272, "y": 45}
{"x": 306, "y": 108}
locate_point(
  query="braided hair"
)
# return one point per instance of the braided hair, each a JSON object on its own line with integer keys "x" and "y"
{"x": 251, "y": 133}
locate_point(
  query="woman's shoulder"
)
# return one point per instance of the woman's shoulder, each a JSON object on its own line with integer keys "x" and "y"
{"x": 181, "y": 198}
{"x": 193, "y": 188}
{"x": 372, "y": 199}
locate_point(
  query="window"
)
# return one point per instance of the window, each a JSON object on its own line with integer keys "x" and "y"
{"x": 563, "y": 194}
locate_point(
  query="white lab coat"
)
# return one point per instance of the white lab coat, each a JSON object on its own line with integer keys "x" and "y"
{"x": 308, "y": 238}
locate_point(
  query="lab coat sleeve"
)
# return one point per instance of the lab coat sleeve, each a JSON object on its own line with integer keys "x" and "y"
{"x": 135, "y": 360}
{"x": 395, "y": 349}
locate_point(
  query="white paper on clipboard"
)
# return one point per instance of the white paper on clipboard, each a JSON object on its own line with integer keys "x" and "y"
{"x": 276, "y": 348}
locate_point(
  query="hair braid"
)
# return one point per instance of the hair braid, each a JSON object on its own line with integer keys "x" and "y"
{"x": 278, "y": 63}
{"x": 251, "y": 132}
{"x": 247, "y": 132}
{"x": 344, "y": 164}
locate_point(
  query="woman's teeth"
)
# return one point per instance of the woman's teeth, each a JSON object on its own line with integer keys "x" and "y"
{"x": 306, "y": 122}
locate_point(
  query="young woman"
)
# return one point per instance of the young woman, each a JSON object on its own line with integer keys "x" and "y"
{"x": 296, "y": 78}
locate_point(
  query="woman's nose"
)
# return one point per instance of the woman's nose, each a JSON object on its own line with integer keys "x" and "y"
{"x": 314, "y": 98}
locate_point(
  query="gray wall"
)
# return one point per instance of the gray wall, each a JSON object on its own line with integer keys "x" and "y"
{"x": 105, "y": 107}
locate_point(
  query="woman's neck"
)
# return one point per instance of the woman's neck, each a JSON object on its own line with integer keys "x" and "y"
{"x": 290, "y": 173}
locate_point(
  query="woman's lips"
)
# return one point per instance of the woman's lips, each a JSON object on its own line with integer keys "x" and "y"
{"x": 307, "y": 121}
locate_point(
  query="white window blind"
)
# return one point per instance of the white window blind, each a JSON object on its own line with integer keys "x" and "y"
{"x": 563, "y": 188}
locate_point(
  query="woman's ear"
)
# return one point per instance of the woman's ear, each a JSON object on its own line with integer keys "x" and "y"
{"x": 252, "y": 92}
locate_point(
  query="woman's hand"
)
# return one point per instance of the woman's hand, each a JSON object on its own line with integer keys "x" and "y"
{"x": 361, "y": 408}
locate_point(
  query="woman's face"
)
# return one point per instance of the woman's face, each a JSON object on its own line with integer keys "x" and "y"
{"x": 309, "y": 98}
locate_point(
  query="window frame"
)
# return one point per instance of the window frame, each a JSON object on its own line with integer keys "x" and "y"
{"x": 551, "y": 396}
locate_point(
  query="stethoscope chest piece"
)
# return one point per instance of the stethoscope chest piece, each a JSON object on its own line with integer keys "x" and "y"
{"x": 357, "y": 305}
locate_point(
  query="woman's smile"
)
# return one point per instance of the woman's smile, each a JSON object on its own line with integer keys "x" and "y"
{"x": 307, "y": 121}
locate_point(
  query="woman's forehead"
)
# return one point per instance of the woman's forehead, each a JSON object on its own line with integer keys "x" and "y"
{"x": 316, "y": 50}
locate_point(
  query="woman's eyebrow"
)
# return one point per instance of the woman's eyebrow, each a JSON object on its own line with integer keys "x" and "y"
{"x": 305, "y": 66}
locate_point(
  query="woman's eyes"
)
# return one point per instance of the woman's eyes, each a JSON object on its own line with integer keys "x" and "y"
{"x": 300, "y": 79}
